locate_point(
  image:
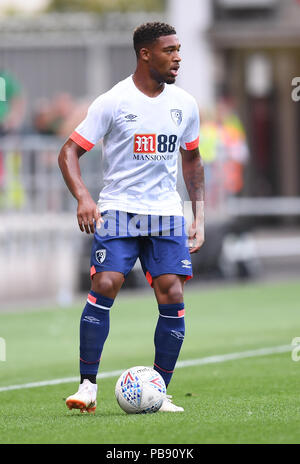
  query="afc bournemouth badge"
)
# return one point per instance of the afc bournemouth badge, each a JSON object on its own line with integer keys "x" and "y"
{"x": 176, "y": 116}
{"x": 100, "y": 256}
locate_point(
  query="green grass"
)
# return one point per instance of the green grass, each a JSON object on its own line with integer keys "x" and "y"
{"x": 253, "y": 400}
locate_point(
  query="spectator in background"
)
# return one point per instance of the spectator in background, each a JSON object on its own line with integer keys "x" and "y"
{"x": 225, "y": 151}
{"x": 12, "y": 110}
{"x": 58, "y": 116}
{"x": 74, "y": 118}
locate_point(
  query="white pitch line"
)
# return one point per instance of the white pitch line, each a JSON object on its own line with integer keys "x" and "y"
{"x": 190, "y": 362}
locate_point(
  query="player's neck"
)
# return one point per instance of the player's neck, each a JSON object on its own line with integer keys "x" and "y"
{"x": 147, "y": 85}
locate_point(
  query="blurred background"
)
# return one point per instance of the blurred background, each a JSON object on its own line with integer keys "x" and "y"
{"x": 239, "y": 58}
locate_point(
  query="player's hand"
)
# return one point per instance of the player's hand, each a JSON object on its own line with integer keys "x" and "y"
{"x": 196, "y": 236}
{"x": 88, "y": 214}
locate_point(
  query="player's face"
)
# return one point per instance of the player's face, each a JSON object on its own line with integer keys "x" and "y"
{"x": 164, "y": 59}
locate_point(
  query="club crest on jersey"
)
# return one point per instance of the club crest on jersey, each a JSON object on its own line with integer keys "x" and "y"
{"x": 144, "y": 143}
{"x": 100, "y": 256}
{"x": 176, "y": 116}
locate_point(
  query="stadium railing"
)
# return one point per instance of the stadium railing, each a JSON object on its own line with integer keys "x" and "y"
{"x": 40, "y": 244}
{"x": 40, "y": 247}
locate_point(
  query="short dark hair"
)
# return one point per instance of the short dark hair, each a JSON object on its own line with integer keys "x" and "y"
{"x": 148, "y": 33}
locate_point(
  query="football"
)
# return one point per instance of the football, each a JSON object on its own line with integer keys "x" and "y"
{"x": 140, "y": 390}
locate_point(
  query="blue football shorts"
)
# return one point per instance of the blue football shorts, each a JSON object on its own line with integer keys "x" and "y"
{"x": 160, "y": 243}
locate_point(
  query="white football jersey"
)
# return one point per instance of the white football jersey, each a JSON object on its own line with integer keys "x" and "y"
{"x": 141, "y": 137}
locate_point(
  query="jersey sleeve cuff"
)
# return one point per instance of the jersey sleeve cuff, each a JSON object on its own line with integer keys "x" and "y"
{"x": 81, "y": 141}
{"x": 192, "y": 145}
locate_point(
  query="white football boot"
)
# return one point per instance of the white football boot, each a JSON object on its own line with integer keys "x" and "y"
{"x": 85, "y": 398}
{"x": 168, "y": 406}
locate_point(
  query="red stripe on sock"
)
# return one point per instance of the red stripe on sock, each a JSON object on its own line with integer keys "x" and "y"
{"x": 87, "y": 362}
{"x": 92, "y": 298}
{"x": 164, "y": 370}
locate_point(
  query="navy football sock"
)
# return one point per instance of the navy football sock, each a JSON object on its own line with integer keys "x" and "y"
{"x": 168, "y": 338}
{"x": 91, "y": 377}
{"x": 94, "y": 328}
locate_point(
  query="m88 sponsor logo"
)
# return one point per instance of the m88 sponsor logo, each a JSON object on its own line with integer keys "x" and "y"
{"x": 153, "y": 143}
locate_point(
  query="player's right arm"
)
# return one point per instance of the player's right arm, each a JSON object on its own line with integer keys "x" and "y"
{"x": 95, "y": 125}
{"x": 87, "y": 210}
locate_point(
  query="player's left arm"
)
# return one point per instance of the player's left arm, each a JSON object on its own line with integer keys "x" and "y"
{"x": 193, "y": 174}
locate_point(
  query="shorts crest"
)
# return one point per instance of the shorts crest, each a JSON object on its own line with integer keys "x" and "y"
{"x": 100, "y": 255}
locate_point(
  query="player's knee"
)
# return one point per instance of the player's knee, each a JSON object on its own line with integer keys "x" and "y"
{"x": 105, "y": 285}
{"x": 169, "y": 289}
{"x": 174, "y": 293}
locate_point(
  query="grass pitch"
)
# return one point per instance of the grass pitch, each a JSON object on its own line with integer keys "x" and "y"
{"x": 251, "y": 400}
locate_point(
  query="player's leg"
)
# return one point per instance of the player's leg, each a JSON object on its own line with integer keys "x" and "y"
{"x": 94, "y": 329}
{"x": 166, "y": 263}
{"x": 170, "y": 329}
{"x": 94, "y": 322}
{"x": 168, "y": 288}
{"x": 108, "y": 283}
{"x": 111, "y": 259}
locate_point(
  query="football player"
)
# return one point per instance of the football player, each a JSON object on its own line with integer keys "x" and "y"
{"x": 143, "y": 123}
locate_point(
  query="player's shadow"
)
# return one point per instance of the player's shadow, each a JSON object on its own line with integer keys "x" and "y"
{"x": 75, "y": 414}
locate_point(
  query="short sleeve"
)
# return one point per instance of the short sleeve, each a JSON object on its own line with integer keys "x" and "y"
{"x": 96, "y": 125}
{"x": 190, "y": 137}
